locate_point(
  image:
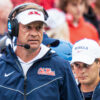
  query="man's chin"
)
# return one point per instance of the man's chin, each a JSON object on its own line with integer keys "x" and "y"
{"x": 34, "y": 47}
{"x": 83, "y": 81}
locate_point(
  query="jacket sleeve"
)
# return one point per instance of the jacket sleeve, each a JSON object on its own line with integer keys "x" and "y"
{"x": 69, "y": 89}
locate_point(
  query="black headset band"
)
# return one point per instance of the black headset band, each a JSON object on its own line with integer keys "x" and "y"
{"x": 26, "y": 4}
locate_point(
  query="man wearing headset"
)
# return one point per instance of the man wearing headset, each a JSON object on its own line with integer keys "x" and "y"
{"x": 32, "y": 71}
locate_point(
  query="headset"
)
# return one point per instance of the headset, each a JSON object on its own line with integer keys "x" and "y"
{"x": 13, "y": 25}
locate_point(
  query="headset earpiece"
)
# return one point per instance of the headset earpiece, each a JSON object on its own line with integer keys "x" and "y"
{"x": 13, "y": 28}
{"x": 45, "y": 14}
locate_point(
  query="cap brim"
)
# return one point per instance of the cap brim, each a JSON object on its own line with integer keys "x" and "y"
{"x": 53, "y": 42}
{"x": 28, "y": 21}
{"x": 83, "y": 58}
{"x": 30, "y": 15}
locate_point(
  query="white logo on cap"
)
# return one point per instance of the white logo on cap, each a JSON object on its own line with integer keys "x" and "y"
{"x": 81, "y": 47}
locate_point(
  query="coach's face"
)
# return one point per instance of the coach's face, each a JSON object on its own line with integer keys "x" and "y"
{"x": 31, "y": 34}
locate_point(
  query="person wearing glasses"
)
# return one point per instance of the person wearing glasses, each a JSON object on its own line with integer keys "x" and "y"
{"x": 86, "y": 67}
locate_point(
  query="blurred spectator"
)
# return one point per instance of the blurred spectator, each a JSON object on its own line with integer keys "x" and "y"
{"x": 78, "y": 27}
{"x": 47, "y": 4}
{"x": 56, "y": 3}
{"x": 90, "y": 2}
{"x": 50, "y": 42}
{"x": 97, "y": 14}
{"x": 90, "y": 14}
{"x": 5, "y": 8}
{"x": 97, "y": 9}
{"x": 62, "y": 48}
{"x": 57, "y": 26}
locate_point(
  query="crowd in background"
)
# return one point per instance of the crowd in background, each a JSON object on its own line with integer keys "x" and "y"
{"x": 69, "y": 20}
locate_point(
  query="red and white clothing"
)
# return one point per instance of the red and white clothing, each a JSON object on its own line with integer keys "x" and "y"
{"x": 82, "y": 30}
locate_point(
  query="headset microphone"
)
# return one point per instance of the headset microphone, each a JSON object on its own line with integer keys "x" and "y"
{"x": 26, "y": 46}
{"x": 4, "y": 44}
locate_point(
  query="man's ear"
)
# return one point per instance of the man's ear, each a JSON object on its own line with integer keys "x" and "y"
{"x": 98, "y": 63}
{"x": 98, "y": 60}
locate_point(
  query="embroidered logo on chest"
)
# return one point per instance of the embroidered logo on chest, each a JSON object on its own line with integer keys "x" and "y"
{"x": 46, "y": 71}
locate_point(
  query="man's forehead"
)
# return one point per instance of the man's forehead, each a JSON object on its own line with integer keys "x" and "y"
{"x": 36, "y": 23}
{"x": 78, "y": 62}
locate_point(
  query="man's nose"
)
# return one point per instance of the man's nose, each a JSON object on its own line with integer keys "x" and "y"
{"x": 81, "y": 69}
{"x": 34, "y": 32}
